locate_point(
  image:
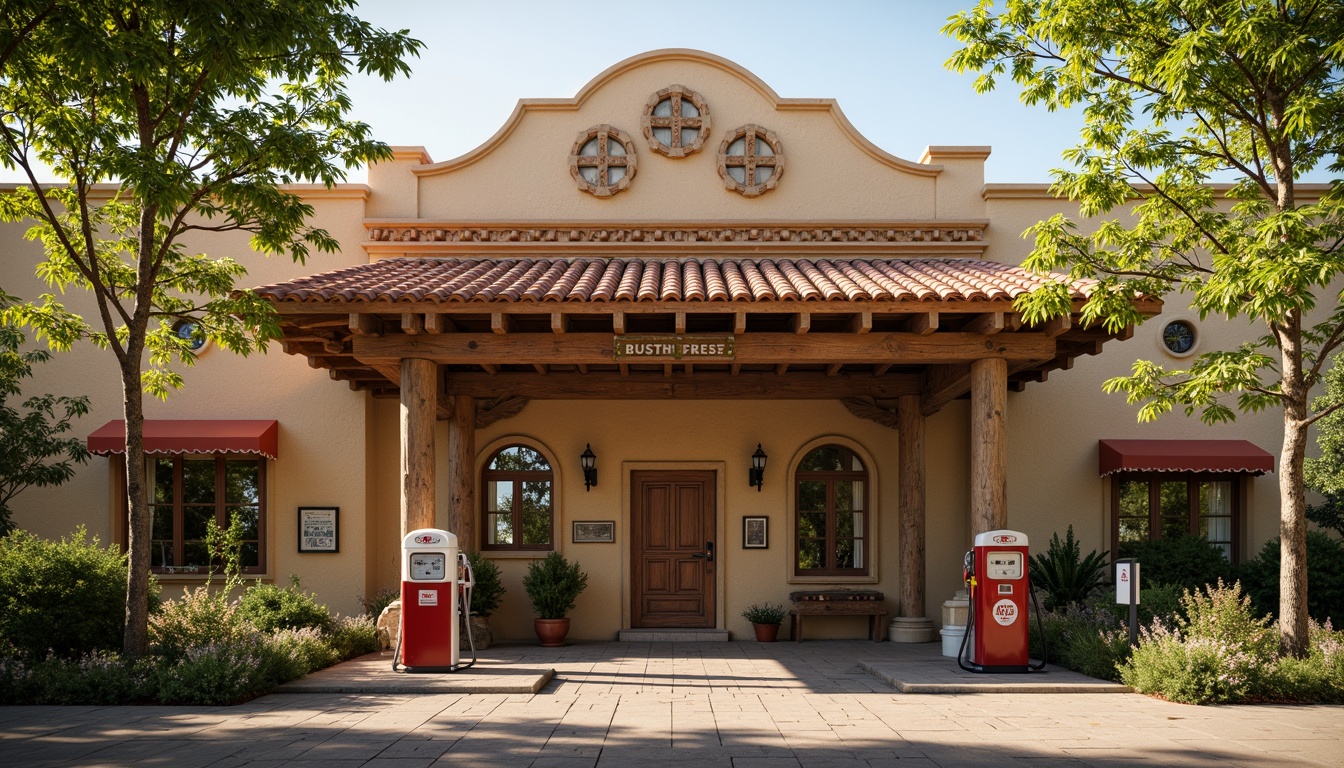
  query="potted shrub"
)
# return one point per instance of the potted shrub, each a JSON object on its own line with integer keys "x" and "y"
{"x": 765, "y": 618}
{"x": 485, "y": 596}
{"x": 553, "y": 584}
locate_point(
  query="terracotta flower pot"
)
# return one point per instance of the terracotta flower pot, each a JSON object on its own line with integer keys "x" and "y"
{"x": 551, "y": 632}
{"x": 766, "y": 633}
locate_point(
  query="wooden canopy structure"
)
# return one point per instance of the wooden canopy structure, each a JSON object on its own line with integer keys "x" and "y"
{"x": 472, "y": 338}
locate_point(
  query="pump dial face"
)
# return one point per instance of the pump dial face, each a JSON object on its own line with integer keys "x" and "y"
{"x": 427, "y": 566}
{"x": 1004, "y": 565}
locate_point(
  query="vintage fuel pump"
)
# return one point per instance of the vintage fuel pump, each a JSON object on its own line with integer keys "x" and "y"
{"x": 996, "y": 572}
{"x": 436, "y": 582}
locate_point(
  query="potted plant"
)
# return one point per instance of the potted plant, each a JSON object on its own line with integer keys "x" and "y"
{"x": 485, "y": 596}
{"x": 765, "y": 618}
{"x": 553, "y": 584}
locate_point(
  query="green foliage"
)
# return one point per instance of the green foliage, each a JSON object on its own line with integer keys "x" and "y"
{"x": 1219, "y": 654}
{"x": 553, "y": 585}
{"x": 374, "y": 604}
{"x": 98, "y": 678}
{"x": 1187, "y": 562}
{"x": 1325, "y": 574}
{"x": 218, "y": 674}
{"x": 352, "y": 636}
{"x": 270, "y": 608}
{"x": 36, "y": 451}
{"x": 1083, "y": 637}
{"x": 1064, "y": 574}
{"x": 60, "y": 596}
{"x": 1175, "y": 95}
{"x": 489, "y": 587}
{"x": 765, "y": 613}
{"x": 1325, "y": 473}
{"x": 199, "y": 618}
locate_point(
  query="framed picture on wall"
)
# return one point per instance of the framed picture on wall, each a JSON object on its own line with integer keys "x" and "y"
{"x": 318, "y": 529}
{"x": 594, "y": 531}
{"x": 755, "y": 533}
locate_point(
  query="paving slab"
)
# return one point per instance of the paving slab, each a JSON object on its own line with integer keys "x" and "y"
{"x": 921, "y": 668}
{"x": 373, "y": 674}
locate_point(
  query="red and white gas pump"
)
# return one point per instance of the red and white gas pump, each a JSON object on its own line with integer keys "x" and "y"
{"x": 996, "y": 572}
{"x": 436, "y": 582}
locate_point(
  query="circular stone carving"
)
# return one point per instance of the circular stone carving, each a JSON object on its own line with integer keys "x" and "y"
{"x": 602, "y": 160}
{"x": 676, "y": 121}
{"x": 751, "y": 160}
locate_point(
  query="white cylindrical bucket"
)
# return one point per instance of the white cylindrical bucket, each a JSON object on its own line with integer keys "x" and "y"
{"x": 952, "y": 635}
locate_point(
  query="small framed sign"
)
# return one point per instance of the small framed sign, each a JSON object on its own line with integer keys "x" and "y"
{"x": 756, "y": 533}
{"x": 318, "y": 529}
{"x": 594, "y": 531}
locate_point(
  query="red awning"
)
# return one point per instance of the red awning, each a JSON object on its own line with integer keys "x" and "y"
{"x": 257, "y": 436}
{"x": 1183, "y": 456}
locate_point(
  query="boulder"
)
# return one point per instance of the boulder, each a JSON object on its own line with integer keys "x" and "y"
{"x": 389, "y": 625}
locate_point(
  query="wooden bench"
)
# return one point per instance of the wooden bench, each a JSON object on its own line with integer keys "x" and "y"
{"x": 865, "y": 602}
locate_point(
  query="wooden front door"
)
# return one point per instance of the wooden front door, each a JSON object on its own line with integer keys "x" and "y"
{"x": 672, "y": 522}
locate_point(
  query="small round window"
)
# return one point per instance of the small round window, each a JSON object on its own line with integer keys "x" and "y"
{"x": 191, "y": 332}
{"x": 1178, "y": 337}
{"x": 751, "y": 160}
{"x": 676, "y": 121}
{"x": 603, "y": 160}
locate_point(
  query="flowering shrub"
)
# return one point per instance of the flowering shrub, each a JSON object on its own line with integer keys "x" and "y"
{"x": 216, "y": 674}
{"x": 198, "y": 618}
{"x": 1084, "y": 637}
{"x": 353, "y": 636}
{"x": 1218, "y": 653}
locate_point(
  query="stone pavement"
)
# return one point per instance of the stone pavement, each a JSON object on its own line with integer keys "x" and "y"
{"x": 698, "y": 705}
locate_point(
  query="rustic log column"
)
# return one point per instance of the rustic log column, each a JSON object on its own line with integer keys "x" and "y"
{"x": 912, "y": 626}
{"x": 461, "y": 468}
{"x": 418, "y": 409}
{"x": 989, "y": 445}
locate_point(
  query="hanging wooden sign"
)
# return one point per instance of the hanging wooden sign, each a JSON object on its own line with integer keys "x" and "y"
{"x": 664, "y": 347}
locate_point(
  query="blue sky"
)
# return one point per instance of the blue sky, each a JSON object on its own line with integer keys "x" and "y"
{"x": 883, "y": 62}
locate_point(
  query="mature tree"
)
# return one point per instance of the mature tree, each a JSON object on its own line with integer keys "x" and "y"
{"x": 197, "y": 112}
{"x": 37, "y": 449}
{"x": 1174, "y": 94}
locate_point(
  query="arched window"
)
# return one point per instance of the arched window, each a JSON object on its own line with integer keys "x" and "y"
{"x": 832, "y": 514}
{"x": 517, "y": 483}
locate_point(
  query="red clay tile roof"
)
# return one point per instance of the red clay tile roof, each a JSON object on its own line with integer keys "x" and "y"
{"x": 509, "y": 280}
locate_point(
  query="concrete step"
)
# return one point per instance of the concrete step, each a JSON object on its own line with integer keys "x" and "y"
{"x": 673, "y": 636}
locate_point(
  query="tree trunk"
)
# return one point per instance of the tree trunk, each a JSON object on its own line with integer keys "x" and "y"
{"x": 136, "y": 639}
{"x": 1293, "y": 632}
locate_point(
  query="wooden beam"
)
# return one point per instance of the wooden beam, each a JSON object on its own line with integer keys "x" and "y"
{"x": 987, "y": 324}
{"x": 540, "y": 368}
{"x": 879, "y": 370}
{"x": 924, "y": 323}
{"x": 418, "y": 409}
{"x": 679, "y": 321}
{"x": 624, "y": 369}
{"x": 989, "y": 445}
{"x": 834, "y": 368}
{"x": 412, "y": 323}
{"x": 499, "y": 323}
{"x": 667, "y": 370}
{"x": 862, "y": 322}
{"x": 735, "y": 369}
{"x": 910, "y": 443}
{"x": 753, "y": 348}
{"x": 559, "y": 322}
{"x": 583, "y": 369}
{"x": 703, "y": 385}
{"x": 739, "y": 323}
{"x": 800, "y": 322}
{"x": 364, "y": 325}
{"x": 490, "y": 368}
{"x": 781, "y": 369}
{"x": 461, "y": 472}
{"x": 618, "y": 323}
{"x": 438, "y": 323}
{"x": 941, "y": 384}
{"x": 1056, "y": 326}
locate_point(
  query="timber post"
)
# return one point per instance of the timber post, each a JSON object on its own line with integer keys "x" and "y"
{"x": 461, "y": 469}
{"x": 419, "y": 406}
{"x": 989, "y": 445}
{"x": 911, "y": 626}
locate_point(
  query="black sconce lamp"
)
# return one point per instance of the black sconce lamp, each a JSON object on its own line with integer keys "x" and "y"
{"x": 757, "y": 477}
{"x": 589, "y": 461}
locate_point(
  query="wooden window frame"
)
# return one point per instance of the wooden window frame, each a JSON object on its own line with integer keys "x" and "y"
{"x": 179, "y": 509}
{"x": 1193, "y": 481}
{"x": 830, "y": 477}
{"x": 517, "y": 478}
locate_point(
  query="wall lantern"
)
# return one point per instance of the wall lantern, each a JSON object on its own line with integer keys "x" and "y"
{"x": 757, "y": 477}
{"x": 589, "y": 461}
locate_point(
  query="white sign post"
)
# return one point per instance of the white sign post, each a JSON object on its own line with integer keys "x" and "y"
{"x": 1127, "y": 593}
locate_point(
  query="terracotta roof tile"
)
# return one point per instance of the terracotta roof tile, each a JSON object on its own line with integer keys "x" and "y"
{"x": 510, "y": 280}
